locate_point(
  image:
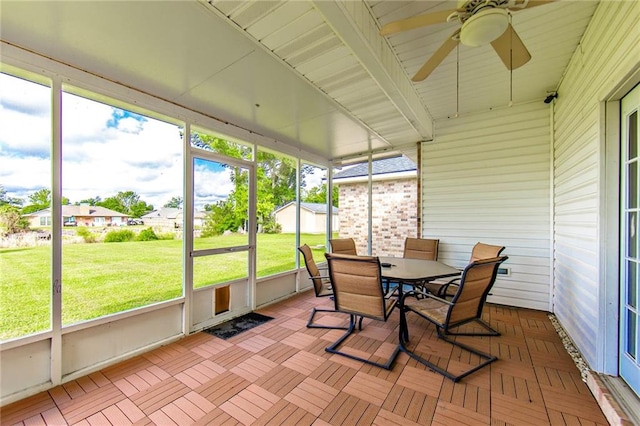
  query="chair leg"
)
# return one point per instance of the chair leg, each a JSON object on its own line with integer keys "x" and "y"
{"x": 419, "y": 288}
{"x": 487, "y": 357}
{"x": 404, "y": 339}
{"x": 490, "y": 330}
{"x": 352, "y": 324}
{"x": 403, "y": 335}
{"x": 388, "y": 285}
{"x": 332, "y": 327}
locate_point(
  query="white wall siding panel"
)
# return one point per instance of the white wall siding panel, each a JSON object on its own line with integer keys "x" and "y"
{"x": 608, "y": 51}
{"x": 90, "y": 348}
{"x": 24, "y": 368}
{"x": 275, "y": 287}
{"x": 486, "y": 177}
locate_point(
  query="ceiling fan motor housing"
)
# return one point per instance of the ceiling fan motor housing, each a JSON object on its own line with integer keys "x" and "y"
{"x": 484, "y": 26}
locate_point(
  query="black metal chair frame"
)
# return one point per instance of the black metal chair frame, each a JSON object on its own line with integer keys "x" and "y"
{"x": 442, "y": 291}
{"x": 315, "y": 310}
{"x": 334, "y": 348}
{"x": 444, "y": 329}
{"x": 352, "y": 324}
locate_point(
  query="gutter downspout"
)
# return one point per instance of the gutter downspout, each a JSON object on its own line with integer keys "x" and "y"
{"x": 552, "y": 142}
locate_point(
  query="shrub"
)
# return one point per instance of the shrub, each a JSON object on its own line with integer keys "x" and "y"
{"x": 166, "y": 236}
{"x": 271, "y": 227}
{"x": 87, "y": 236}
{"x": 147, "y": 235}
{"x": 119, "y": 236}
{"x": 10, "y": 220}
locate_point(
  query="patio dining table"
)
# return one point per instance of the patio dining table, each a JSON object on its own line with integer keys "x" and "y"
{"x": 412, "y": 271}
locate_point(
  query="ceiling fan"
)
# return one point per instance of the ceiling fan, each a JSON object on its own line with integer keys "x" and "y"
{"x": 482, "y": 22}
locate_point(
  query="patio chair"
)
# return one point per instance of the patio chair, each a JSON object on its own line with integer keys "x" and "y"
{"x": 321, "y": 286}
{"x": 448, "y": 288}
{"x": 343, "y": 246}
{"x": 421, "y": 248}
{"x": 357, "y": 288}
{"x": 465, "y": 307}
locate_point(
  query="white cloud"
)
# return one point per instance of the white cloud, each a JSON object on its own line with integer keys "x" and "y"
{"x": 105, "y": 150}
{"x": 129, "y": 125}
{"x": 315, "y": 178}
{"x": 25, "y": 114}
{"x": 103, "y": 153}
{"x": 148, "y": 162}
{"x": 84, "y": 119}
{"x": 211, "y": 185}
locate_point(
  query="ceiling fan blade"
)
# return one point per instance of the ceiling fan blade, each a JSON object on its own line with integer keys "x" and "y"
{"x": 416, "y": 22}
{"x": 511, "y": 49}
{"x": 435, "y": 59}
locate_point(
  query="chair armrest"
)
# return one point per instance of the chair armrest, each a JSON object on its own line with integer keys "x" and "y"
{"x": 322, "y": 277}
{"x": 391, "y": 293}
{"x": 442, "y": 292}
{"x": 439, "y": 299}
{"x": 441, "y": 281}
{"x": 425, "y": 294}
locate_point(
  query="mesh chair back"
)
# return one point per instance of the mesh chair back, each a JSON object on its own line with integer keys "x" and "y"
{"x": 421, "y": 248}
{"x": 475, "y": 284}
{"x": 343, "y": 246}
{"x": 485, "y": 251}
{"x": 312, "y": 268}
{"x": 357, "y": 285}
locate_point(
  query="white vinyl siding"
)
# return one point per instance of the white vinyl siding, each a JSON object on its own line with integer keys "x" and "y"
{"x": 486, "y": 177}
{"x": 607, "y": 53}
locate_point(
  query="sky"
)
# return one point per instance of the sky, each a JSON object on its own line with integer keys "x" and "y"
{"x": 105, "y": 150}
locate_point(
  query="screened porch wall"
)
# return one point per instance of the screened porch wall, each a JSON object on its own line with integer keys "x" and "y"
{"x": 608, "y": 53}
{"x": 486, "y": 177}
{"x": 37, "y": 362}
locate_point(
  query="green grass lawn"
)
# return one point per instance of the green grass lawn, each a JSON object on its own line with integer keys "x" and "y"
{"x": 104, "y": 278}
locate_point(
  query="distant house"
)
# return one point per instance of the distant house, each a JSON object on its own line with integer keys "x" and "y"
{"x": 170, "y": 217}
{"x": 79, "y": 216}
{"x": 395, "y": 204}
{"x": 313, "y": 218}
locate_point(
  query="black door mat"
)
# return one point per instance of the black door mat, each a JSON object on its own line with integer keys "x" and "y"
{"x": 236, "y": 326}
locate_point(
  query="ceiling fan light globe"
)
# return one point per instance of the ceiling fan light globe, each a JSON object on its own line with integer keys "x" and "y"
{"x": 484, "y": 27}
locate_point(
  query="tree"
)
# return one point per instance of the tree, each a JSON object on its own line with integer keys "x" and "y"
{"x": 113, "y": 203}
{"x": 140, "y": 208}
{"x": 221, "y": 217}
{"x": 90, "y": 201}
{"x": 175, "y": 202}
{"x": 41, "y": 197}
{"x": 6, "y": 200}
{"x": 318, "y": 194}
{"x": 127, "y": 202}
{"x": 276, "y": 183}
{"x": 40, "y": 200}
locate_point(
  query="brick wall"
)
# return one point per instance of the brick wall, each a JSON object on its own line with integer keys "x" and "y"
{"x": 394, "y": 217}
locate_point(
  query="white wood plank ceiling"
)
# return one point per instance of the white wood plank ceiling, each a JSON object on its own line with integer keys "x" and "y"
{"x": 314, "y": 75}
